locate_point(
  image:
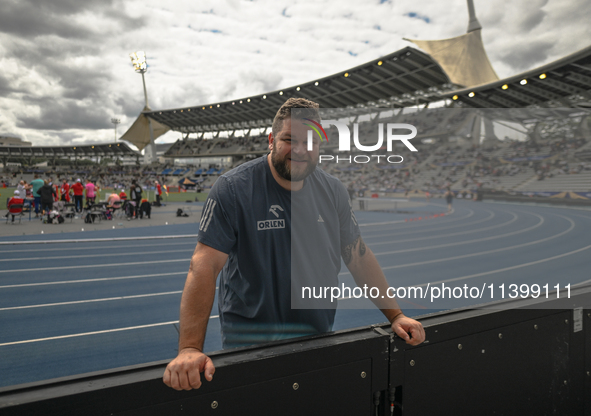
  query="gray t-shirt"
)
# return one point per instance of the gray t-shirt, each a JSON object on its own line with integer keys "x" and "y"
{"x": 276, "y": 241}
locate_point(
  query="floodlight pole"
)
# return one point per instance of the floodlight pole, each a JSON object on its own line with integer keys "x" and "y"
{"x": 115, "y": 121}
{"x": 152, "y": 143}
{"x": 141, "y": 67}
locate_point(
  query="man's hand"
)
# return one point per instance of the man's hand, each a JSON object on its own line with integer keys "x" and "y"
{"x": 182, "y": 373}
{"x": 403, "y": 326}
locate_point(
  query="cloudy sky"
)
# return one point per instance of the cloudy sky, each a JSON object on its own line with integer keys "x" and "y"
{"x": 65, "y": 69}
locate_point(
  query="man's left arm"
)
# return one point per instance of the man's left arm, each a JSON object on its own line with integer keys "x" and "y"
{"x": 366, "y": 270}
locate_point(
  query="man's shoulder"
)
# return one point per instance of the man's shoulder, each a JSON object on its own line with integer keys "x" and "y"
{"x": 326, "y": 179}
{"x": 246, "y": 169}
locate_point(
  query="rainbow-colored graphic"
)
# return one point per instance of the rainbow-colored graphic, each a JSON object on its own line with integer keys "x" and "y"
{"x": 315, "y": 126}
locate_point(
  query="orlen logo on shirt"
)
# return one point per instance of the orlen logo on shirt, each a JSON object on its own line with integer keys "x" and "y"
{"x": 270, "y": 224}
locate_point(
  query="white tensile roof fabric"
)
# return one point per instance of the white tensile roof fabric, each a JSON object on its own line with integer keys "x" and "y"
{"x": 139, "y": 132}
{"x": 463, "y": 58}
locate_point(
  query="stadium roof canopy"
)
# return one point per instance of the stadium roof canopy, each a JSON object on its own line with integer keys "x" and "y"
{"x": 564, "y": 83}
{"x": 463, "y": 57}
{"x": 401, "y": 79}
{"x": 84, "y": 151}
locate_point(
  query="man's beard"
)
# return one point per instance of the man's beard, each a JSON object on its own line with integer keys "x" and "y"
{"x": 282, "y": 168}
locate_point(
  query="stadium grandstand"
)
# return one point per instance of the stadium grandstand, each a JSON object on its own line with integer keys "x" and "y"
{"x": 550, "y": 104}
{"x": 516, "y": 154}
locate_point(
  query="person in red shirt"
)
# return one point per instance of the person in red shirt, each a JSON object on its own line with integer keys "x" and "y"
{"x": 65, "y": 191}
{"x": 78, "y": 189}
{"x": 56, "y": 187}
{"x": 158, "y": 193}
{"x": 123, "y": 195}
{"x": 16, "y": 199}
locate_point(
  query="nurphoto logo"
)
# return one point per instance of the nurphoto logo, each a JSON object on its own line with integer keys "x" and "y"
{"x": 345, "y": 140}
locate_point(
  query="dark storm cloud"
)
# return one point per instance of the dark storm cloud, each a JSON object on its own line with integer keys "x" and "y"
{"x": 527, "y": 56}
{"x": 5, "y": 87}
{"x": 129, "y": 107}
{"x": 532, "y": 19}
{"x": 65, "y": 114}
{"x": 45, "y": 37}
{"x": 32, "y": 18}
{"x": 24, "y": 20}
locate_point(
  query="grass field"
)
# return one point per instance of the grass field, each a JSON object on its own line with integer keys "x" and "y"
{"x": 6, "y": 193}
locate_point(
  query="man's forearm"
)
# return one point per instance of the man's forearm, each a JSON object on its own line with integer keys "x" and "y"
{"x": 196, "y": 304}
{"x": 367, "y": 271}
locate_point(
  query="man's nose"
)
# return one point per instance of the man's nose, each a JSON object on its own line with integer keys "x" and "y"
{"x": 298, "y": 147}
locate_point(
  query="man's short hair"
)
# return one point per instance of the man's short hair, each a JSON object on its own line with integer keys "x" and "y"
{"x": 310, "y": 111}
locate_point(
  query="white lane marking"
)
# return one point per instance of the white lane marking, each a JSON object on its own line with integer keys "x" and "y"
{"x": 381, "y": 223}
{"x": 478, "y": 240}
{"x": 481, "y": 252}
{"x": 88, "y": 256}
{"x": 430, "y": 229}
{"x": 518, "y": 266}
{"x": 430, "y": 237}
{"x": 74, "y": 302}
{"x": 93, "y": 265}
{"x": 403, "y": 222}
{"x": 100, "y": 279}
{"x": 97, "y": 240}
{"x": 27, "y": 250}
{"x": 129, "y": 328}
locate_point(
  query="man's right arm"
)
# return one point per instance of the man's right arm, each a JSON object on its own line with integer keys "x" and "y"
{"x": 183, "y": 373}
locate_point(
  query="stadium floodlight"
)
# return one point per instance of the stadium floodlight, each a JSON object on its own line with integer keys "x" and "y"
{"x": 138, "y": 59}
{"x": 140, "y": 65}
{"x": 115, "y": 121}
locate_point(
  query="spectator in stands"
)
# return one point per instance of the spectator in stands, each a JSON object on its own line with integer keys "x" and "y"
{"x": 36, "y": 184}
{"x": 16, "y": 199}
{"x": 47, "y": 195}
{"x": 90, "y": 192}
{"x": 65, "y": 191}
{"x": 78, "y": 189}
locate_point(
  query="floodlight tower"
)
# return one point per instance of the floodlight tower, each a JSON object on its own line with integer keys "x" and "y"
{"x": 138, "y": 59}
{"x": 115, "y": 121}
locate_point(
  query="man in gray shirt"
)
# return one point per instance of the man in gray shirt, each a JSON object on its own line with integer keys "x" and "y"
{"x": 248, "y": 232}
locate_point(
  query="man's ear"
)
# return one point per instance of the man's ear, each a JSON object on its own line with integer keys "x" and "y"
{"x": 271, "y": 141}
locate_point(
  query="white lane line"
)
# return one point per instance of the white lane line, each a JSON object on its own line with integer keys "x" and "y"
{"x": 478, "y": 240}
{"x": 129, "y": 328}
{"x": 88, "y": 256}
{"x": 446, "y": 215}
{"x": 518, "y": 266}
{"x": 74, "y": 302}
{"x": 93, "y": 265}
{"x": 27, "y": 250}
{"x": 430, "y": 237}
{"x": 481, "y": 252}
{"x": 96, "y": 240}
{"x": 428, "y": 227}
{"x": 101, "y": 279}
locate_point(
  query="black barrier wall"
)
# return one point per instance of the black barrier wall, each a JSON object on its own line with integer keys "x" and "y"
{"x": 474, "y": 362}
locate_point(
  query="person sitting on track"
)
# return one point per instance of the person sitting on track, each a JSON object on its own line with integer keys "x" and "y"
{"x": 16, "y": 199}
